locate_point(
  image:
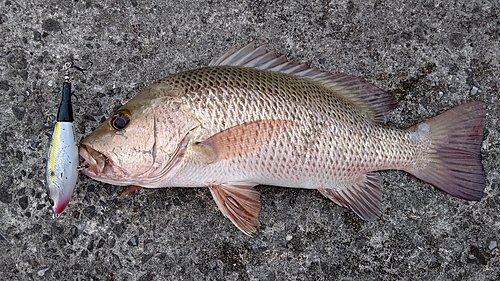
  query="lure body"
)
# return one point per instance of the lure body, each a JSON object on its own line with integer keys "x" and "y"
{"x": 62, "y": 159}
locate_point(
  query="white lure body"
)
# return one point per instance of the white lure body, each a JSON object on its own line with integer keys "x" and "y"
{"x": 62, "y": 165}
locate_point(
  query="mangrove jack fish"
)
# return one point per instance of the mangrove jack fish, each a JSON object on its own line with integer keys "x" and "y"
{"x": 62, "y": 159}
{"x": 252, "y": 118}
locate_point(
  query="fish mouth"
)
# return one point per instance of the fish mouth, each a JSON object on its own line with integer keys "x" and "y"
{"x": 94, "y": 162}
{"x": 99, "y": 167}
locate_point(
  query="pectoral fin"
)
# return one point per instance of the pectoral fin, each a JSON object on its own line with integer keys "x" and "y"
{"x": 364, "y": 196}
{"x": 240, "y": 140}
{"x": 239, "y": 202}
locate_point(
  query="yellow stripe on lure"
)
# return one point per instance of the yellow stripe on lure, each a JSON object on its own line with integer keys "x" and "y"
{"x": 62, "y": 162}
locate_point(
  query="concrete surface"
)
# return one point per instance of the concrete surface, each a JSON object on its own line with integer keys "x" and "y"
{"x": 431, "y": 55}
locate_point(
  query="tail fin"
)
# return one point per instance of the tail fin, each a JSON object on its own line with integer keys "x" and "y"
{"x": 454, "y": 159}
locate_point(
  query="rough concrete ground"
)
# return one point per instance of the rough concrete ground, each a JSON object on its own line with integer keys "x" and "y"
{"x": 431, "y": 55}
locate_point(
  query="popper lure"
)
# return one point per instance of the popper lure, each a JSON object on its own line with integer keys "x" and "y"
{"x": 62, "y": 160}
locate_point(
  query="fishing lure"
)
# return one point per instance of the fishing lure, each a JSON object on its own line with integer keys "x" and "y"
{"x": 62, "y": 160}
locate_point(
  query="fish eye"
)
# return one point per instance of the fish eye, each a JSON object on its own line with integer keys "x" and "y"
{"x": 120, "y": 119}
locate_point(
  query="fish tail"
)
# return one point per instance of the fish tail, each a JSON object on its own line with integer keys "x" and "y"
{"x": 453, "y": 160}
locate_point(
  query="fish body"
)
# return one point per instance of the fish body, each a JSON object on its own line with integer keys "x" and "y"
{"x": 252, "y": 118}
{"x": 62, "y": 158}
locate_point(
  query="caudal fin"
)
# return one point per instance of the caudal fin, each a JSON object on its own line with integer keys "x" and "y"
{"x": 454, "y": 163}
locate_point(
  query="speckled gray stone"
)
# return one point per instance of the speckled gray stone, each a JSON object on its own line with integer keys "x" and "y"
{"x": 429, "y": 54}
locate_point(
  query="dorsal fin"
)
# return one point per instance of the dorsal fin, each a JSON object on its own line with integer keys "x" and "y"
{"x": 371, "y": 100}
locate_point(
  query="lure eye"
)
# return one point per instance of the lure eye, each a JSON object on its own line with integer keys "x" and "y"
{"x": 51, "y": 202}
{"x": 120, "y": 119}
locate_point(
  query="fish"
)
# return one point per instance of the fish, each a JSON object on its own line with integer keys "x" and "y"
{"x": 252, "y": 118}
{"x": 62, "y": 158}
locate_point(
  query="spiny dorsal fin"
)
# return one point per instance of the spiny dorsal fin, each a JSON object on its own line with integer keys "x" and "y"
{"x": 363, "y": 197}
{"x": 374, "y": 102}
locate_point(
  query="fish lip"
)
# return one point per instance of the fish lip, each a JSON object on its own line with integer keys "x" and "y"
{"x": 98, "y": 166}
{"x": 93, "y": 162}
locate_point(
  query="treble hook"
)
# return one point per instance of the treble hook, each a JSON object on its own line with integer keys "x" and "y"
{"x": 67, "y": 66}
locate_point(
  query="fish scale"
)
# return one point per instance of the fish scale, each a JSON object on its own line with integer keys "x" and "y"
{"x": 252, "y": 118}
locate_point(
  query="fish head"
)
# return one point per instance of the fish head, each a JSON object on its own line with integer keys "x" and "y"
{"x": 121, "y": 148}
{"x": 137, "y": 141}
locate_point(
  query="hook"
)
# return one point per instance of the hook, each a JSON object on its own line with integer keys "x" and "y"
{"x": 68, "y": 65}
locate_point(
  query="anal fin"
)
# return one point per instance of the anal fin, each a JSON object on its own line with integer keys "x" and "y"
{"x": 364, "y": 196}
{"x": 239, "y": 202}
